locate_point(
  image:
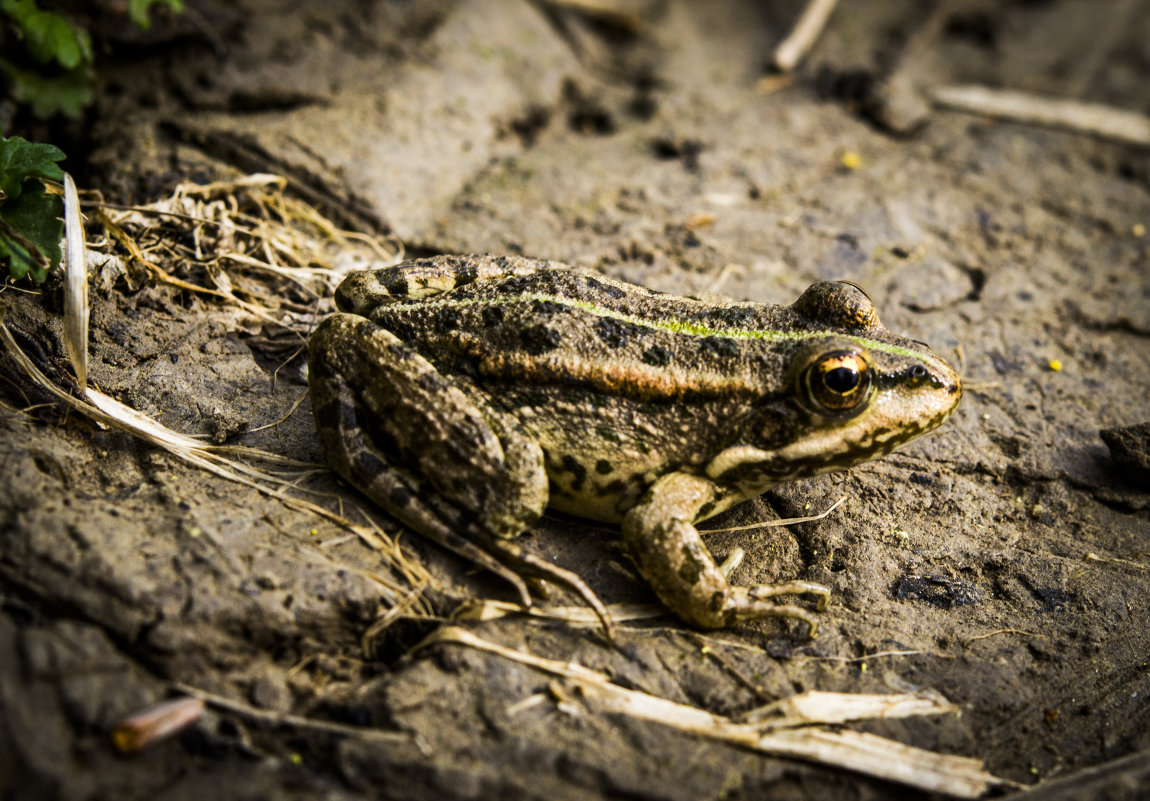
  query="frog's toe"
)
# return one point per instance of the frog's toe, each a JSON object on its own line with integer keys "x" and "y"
{"x": 821, "y": 594}
{"x": 756, "y": 602}
{"x": 521, "y": 560}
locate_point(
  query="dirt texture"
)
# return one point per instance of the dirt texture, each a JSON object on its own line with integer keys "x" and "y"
{"x": 1002, "y": 562}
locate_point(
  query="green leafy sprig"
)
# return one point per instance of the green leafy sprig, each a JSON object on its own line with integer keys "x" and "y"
{"x": 51, "y": 66}
{"x": 31, "y": 223}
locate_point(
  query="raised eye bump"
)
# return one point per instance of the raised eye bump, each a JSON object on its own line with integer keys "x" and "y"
{"x": 837, "y": 382}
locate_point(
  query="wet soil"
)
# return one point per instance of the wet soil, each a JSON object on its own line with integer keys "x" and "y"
{"x": 1002, "y": 562}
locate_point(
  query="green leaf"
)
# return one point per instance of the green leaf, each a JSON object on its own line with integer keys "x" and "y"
{"x": 48, "y": 36}
{"x": 67, "y": 93}
{"x": 36, "y": 217}
{"x": 21, "y": 160}
{"x": 30, "y": 224}
{"x": 138, "y": 9}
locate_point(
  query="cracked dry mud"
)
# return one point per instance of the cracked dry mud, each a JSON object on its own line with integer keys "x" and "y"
{"x": 654, "y": 156}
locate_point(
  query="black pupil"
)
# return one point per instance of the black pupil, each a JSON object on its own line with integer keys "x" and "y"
{"x": 841, "y": 380}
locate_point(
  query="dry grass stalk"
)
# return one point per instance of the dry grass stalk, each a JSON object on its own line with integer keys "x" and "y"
{"x": 272, "y": 718}
{"x": 786, "y": 521}
{"x": 1093, "y": 119}
{"x": 798, "y": 730}
{"x": 75, "y": 284}
{"x": 802, "y": 37}
{"x": 155, "y": 724}
{"x": 485, "y": 609}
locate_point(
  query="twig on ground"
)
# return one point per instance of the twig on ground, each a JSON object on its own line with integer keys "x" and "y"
{"x": 156, "y": 723}
{"x": 272, "y": 718}
{"x": 1092, "y": 119}
{"x": 797, "y": 729}
{"x": 802, "y": 37}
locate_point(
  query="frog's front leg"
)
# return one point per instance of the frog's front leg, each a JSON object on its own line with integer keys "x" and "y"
{"x": 434, "y": 454}
{"x": 661, "y": 536}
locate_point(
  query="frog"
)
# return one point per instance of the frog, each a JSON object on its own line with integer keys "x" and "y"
{"x": 467, "y": 394}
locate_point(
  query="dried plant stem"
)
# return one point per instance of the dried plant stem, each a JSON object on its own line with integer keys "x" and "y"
{"x": 272, "y": 718}
{"x": 802, "y": 37}
{"x": 796, "y": 728}
{"x": 1088, "y": 118}
{"x": 75, "y": 284}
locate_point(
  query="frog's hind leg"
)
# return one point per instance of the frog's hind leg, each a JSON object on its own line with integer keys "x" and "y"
{"x": 403, "y": 492}
{"x": 436, "y": 458}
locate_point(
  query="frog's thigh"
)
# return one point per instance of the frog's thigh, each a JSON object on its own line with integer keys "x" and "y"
{"x": 670, "y": 554}
{"x": 380, "y": 406}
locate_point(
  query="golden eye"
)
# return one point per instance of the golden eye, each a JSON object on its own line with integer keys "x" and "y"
{"x": 837, "y": 382}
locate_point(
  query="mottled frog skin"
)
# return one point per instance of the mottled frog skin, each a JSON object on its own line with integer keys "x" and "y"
{"x": 465, "y": 394}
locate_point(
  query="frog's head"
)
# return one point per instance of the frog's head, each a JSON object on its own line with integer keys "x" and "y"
{"x": 853, "y": 392}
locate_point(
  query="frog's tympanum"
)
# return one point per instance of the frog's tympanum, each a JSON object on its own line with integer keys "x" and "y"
{"x": 465, "y": 394}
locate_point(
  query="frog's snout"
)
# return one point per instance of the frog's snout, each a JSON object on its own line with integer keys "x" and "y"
{"x": 940, "y": 398}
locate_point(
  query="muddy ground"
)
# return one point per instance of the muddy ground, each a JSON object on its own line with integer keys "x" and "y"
{"x": 653, "y": 152}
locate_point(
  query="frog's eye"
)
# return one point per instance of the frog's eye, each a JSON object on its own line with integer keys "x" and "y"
{"x": 837, "y": 382}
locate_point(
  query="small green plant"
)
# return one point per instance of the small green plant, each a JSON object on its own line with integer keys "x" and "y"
{"x": 30, "y": 217}
{"x": 50, "y": 66}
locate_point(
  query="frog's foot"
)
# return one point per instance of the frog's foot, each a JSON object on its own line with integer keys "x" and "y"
{"x": 754, "y": 602}
{"x": 523, "y": 561}
{"x": 670, "y": 554}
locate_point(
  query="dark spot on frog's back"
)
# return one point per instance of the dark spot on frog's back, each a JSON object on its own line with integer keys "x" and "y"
{"x": 431, "y": 382}
{"x": 517, "y": 285}
{"x": 719, "y": 346}
{"x": 545, "y": 308}
{"x": 492, "y": 316}
{"x": 607, "y": 433}
{"x": 401, "y": 328}
{"x": 734, "y": 317}
{"x": 399, "y": 497}
{"x": 657, "y": 356}
{"x": 539, "y": 339}
{"x": 399, "y": 352}
{"x": 615, "y": 333}
{"x": 447, "y": 319}
{"x": 330, "y": 413}
{"x": 614, "y": 488}
{"x": 465, "y": 275}
{"x": 394, "y": 281}
{"x": 593, "y": 284}
{"x": 603, "y": 467}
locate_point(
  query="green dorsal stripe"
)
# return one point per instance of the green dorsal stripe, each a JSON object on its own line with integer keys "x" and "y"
{"x": 674, "y": 325}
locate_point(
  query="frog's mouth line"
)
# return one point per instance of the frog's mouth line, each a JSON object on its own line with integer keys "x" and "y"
{"x": 856, "y": 440}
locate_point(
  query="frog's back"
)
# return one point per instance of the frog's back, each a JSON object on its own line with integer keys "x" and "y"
{"x": 544, "y": 324}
